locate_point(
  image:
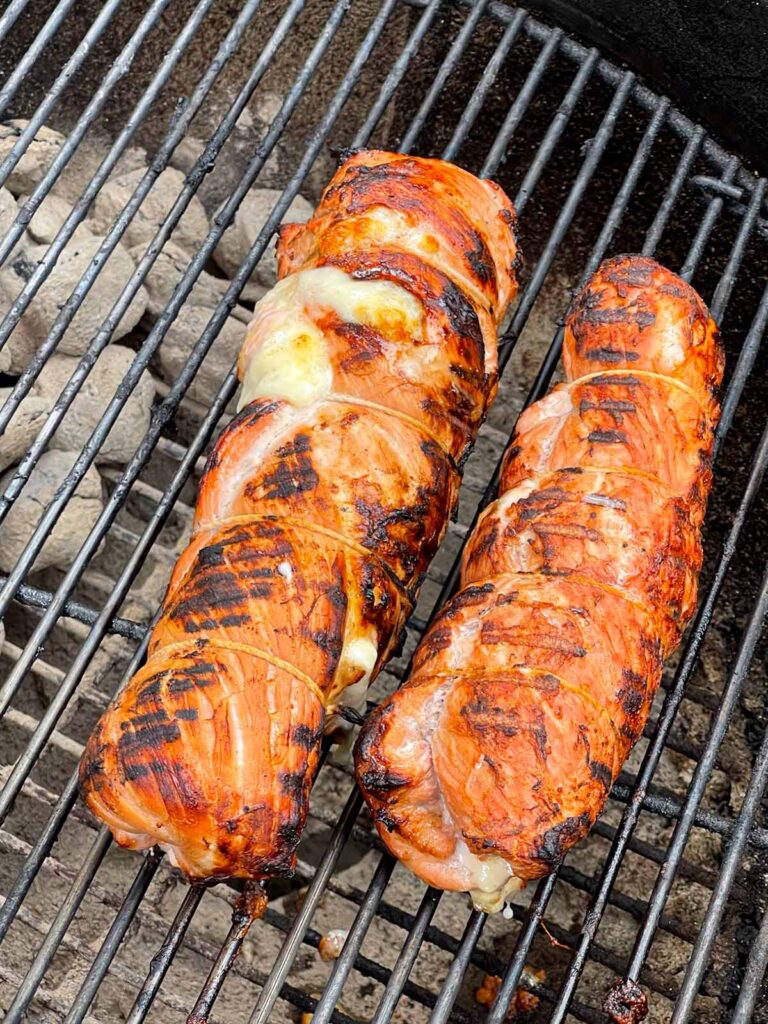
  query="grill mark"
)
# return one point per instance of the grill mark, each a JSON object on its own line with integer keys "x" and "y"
{"x": 492, "y": 634}
{"x": 610, "y": 355}
{"x": 149, "y": 737}
{"x": 186, "y": 714}
{"x": 556, "y": 841}
{"x": 607, "y": 437}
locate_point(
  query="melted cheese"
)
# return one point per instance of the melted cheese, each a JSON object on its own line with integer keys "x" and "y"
{"x": 358, "y": 655}
{"x": 387, "y": 306}
{"x": 493, "y": 881}
{"x": 290, "y": 357}
{"x": 286, "y": 353}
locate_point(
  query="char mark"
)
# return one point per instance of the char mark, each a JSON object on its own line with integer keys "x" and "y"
{"x": 610, "y": 355}
{"x": 293, "y": 784}
{"x": 304, "y": 737}
{"x": 149, "y": 737}
{"x": 556, "y": 841}
{"x": 602, "y": 773}
{"x": 607, "y": 437}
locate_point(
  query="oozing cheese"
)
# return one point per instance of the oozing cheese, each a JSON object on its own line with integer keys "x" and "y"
{"x": 493, "y": 882}
{"x": 286, "y": 355}
{"x": 357, "y": 655}
{"x": 360, "y": 656}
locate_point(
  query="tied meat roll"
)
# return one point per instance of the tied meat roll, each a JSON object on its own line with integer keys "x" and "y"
{"x": 530, "y": 688}
{"x": 366, "y": 373}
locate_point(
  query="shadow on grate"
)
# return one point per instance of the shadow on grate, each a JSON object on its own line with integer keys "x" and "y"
{"x": 668, "y": 891}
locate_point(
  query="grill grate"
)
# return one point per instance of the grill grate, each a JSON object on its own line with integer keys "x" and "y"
{"x": 95, "y": 934}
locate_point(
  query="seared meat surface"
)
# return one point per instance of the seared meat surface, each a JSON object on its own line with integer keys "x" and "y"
{"x": 366, "y": 373}
{"x": 534, "y": 682}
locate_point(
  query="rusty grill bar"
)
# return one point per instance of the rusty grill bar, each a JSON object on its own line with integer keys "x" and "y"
{"x": 672, "y": 192}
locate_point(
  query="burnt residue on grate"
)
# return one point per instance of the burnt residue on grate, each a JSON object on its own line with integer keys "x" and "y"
{"x": 120, "y": 312}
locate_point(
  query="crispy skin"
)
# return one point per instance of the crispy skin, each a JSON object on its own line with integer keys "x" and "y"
{"x": 316, "y": 516}
{"x": 531, "y": 686}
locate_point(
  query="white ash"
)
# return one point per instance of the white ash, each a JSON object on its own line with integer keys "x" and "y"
{"x": 252, "y": 292}
{"x": 250, "y": 218}
{"x": 132, "y": 159}
{"x": 23, "y": 428}
{"x": 58, "y": 286}
{"x": 189, "y": 232}
{"x": 187, "y": 153}
{"x": 266, "y": 108}
{"x": 165, "y": 274}
{"x": 9, "y": 209}
{"x": 183, "y": 335}
{"x": 49, "y": 219}
{"x": 21, "y": 345}
{"x": 77, "y": 519}
{"x": 95, "y": 393}
{"x": 34, "y": 163}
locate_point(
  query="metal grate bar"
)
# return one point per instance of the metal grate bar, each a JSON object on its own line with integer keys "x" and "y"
{"x": 519, "y": 107}
{"x": 69, "y": 309}
{"x": 119, "y": 68}
{"x": 498, "y": 1013}
{"x": 664, "y": 212}
{"x": 39, "y": 43}
{"x": 568, "y": 211}
{"x": 743, "y": 369}
{"x": 714, "y": 209}
{"x": 354, "y": 941}
{"x": 450, "y": 987}
{"x": 725, "y": 285}
{"x": 666, "y": 807}
{"x": 58, "y": 928}
{"x": 407, "y": 957}
{"x": 11, "y": 13}
{"x": 753, "y": 976}
{"x": 33, "y": 597}
{"x": 284, "y": 960}
{"x": 109, "y": 947}
{"x": 600, "y": 248}
{"x": 398, "y": 69}
{"x": 480, "y": 93}
{"x": 707, "y": 934}
{"x": 460, "y": 44}
{"x": 241, "y": 923}
{"x": 160, "y": 963}
{"x": 554, "y": 132}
